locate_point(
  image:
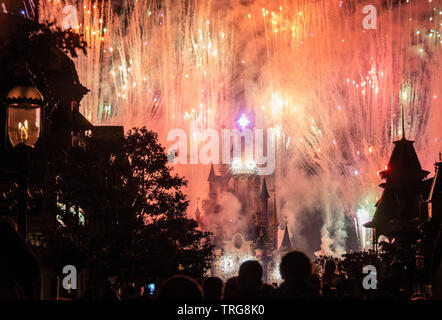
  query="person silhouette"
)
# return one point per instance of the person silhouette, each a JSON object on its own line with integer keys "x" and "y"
{"x": 230, "y": 288}
{"x": 330, "y": 275}
{"x": 213, "y": 287}
{"x": 180, "y": 287}
{"x": 296, "y": 271}
{"x": 249, "y": 281}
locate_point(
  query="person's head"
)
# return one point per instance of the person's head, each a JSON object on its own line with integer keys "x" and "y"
{"x": 296, "y": 266}
{"x": 330, "y": 267}
{"x": 180, "y": 287}
{"x": 250, "y": 275}
{"x": 212, "y": 287}
{"x": 230, "y": 288}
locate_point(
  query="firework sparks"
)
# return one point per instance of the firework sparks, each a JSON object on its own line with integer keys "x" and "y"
{"x": 329, "y": 89}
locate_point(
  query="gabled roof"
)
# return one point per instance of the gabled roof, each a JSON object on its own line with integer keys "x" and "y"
{"x": 404, "y": 165}
{"x": 385, "y": 211}
{"x": 286, "y": 244}
{"x": 401, "y": 197}
{"x": 80, "y": 123}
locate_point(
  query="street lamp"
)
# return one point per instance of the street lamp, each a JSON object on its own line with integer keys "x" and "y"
{"x": 24, "y": 115}
{"x": 24, "y": 118}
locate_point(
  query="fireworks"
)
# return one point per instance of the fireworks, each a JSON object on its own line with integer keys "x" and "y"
{"x": 329, "y": 89}
{"x": 227, "y": 265}
{"x": 243, "y": 169}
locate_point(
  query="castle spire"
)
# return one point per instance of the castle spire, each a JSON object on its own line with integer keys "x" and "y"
{"x": 275, "y": 220}
{"x": 264, "y": 191}
{"x": 211, "y": 173}
{"x": 286, "y": 244}
{"x": 197, "y": 211}
{"x": 264, "y": 200}
{"x": 213, "y": 183}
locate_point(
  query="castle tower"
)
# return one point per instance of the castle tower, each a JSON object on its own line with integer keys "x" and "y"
{"x": 286, "y": 245}
{"x": 198, "y": 217}
{"x": 212, "y": 179}
{"x": 264, "y": 200}
{"x": 274, "y": 223}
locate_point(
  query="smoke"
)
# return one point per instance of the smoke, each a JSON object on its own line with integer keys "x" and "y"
{"x": 308, "y": 196}
{"x": 228, "y": 220}
{"x": 331, "y": 91}
{"x": 334, "y": 93}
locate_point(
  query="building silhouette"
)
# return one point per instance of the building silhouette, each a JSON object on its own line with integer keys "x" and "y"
{"x": 399, "y": 208}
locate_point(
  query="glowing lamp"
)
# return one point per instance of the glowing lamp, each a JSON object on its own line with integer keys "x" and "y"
{"x": 24, "y": 105}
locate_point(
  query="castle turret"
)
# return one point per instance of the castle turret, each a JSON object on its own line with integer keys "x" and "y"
{"x": 264, "y": 200}
{"x": 198, "y": 212}
{"x": 286, "y": 245}
{"x": 274, "y": 223}
{"x": 212, "y": 179}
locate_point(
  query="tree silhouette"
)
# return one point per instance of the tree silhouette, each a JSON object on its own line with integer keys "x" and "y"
{"x": 123, "y": 206}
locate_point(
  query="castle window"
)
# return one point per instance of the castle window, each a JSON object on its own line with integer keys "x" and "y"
{"x": 237, "y": 241}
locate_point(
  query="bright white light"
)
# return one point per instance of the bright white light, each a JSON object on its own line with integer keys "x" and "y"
{"x": 236, "y": 164}
{"x": 251, "y": 165}
{"x": 363, "y": 216}
{"x": 243, "y": 122}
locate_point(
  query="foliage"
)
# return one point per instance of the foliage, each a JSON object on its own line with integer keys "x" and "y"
{"x": 66, "y": 40}
{"x": 135, "y": 211}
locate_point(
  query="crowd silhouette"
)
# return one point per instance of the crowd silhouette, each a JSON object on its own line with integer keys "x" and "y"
{"x": 302, "y": 280}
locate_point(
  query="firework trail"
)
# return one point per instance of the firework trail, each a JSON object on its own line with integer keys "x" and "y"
{"x": 330, "y": 90}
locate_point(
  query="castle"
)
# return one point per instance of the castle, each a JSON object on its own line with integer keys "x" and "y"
{"x": 253, "y": 232}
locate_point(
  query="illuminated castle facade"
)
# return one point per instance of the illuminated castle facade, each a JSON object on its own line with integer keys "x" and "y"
{"x": 253, "y": 232}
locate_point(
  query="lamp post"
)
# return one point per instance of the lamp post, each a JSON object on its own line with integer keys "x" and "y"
{"x": 24, "y": 120}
